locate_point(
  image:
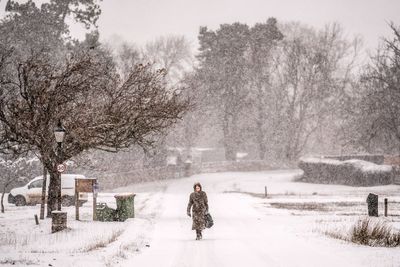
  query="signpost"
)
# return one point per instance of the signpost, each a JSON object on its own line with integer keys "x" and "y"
{"x": 85, "y": 186}
{"x": 95, "y": 192}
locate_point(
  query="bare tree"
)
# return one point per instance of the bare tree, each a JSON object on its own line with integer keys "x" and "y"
{"x": 84, "y": 92}
{"x": 13, "y": 171}
{"x": 264, "y": 38}
{"x": 273, "y": 85}
{"x": 29, "y": 28}
{"x": 172, "y": 53}
{"x": 186, "y": 132}
{"x": 222, "y": 74}
{"x": 375, "y": 121}
{"x": 8, "y": 177}
{"x": 126, "y": 57}
{"x": 312, "y": 71}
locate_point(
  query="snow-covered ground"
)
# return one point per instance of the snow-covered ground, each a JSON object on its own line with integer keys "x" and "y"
{"x": 285, "y": 229}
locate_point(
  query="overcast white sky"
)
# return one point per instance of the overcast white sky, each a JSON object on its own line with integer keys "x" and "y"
{"x": 139, "y": 21}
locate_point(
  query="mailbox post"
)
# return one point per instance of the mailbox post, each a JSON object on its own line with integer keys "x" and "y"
{"x": 95, "y": 192}
{"x": 85, "y": 186}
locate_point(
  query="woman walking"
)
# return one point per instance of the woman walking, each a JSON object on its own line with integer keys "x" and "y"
{"x": 198, "y": 203}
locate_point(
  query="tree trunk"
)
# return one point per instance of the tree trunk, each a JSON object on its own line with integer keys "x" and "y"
{"x": 2, "y": 199}
{"x": 229, "y": 139}
{"x": 54, "y": 195}
{"x": 43, "y": 202}
{"x": 262, "y": 149}
{"x": 230, "y": 153}
{"x": 261, "y": 112}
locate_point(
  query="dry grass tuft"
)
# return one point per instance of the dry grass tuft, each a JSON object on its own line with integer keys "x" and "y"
{"x": 103, "y": 242}
{"x": 368, "y": 232}
{"x": 18, "y": 262}
{"x": 376, "y": 234}
{"x": 314, "y": 206}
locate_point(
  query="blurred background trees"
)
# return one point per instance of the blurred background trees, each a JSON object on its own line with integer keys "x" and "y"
{"x": 375, "y": 105}
{"x": 271, "y": 91}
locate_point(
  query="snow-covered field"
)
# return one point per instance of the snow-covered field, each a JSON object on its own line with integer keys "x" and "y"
{"x": 285, "y": 229}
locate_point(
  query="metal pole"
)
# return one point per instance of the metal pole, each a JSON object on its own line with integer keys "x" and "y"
{"x": 386, "y": 207}
{"x": 44, "y": 187}
{"x": 59, "y": 177}
{"x": 266, "y": 192}
{"x": 76, "y": 200}
{"x": 94, "y": 190}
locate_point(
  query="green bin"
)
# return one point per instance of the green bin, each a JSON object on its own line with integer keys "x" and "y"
{"x": 125, "y": 206}
{"x": 104, "y": 213}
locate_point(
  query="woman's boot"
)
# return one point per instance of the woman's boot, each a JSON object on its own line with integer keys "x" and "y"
{"x": 198, "y": 234}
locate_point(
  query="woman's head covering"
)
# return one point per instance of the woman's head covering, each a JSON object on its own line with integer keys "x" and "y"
{"x": 197, "y": 184}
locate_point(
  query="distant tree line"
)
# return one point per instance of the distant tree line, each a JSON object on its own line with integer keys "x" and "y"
{"x": 273, "y": 87}
{"x": 278, "y": 91}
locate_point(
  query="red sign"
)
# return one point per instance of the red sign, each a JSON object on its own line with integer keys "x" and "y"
{"x": 61, "y": 168}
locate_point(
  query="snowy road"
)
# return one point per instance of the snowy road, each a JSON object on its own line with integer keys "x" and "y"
{"x": 286, "y": 229}
{"x": 244, "y": 234}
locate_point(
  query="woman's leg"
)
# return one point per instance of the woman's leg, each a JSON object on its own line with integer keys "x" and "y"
{"x": 198, "y": 234}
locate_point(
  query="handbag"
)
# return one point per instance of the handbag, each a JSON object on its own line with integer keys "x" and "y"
{"x": 209, "y": 220}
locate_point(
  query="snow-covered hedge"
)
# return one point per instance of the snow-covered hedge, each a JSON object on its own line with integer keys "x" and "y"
{"x": 375, "y": 158}
{"x": 349, "y": 172}
{"x": 224, "y": 166}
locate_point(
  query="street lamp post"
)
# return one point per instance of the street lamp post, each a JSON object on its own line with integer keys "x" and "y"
{"x": 59, "y": 134}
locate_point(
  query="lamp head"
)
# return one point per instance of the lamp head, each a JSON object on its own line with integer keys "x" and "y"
{"x": 59, "y": 133}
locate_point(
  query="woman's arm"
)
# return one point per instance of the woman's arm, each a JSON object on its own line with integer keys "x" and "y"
{"x": 206, "y": 201}
{"x": 190, "y": 204}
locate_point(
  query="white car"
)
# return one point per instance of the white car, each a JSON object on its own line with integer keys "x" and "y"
{"x": 31, "y": 193}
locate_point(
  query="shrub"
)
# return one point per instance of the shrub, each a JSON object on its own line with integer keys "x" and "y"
{"x": 379, "y": 234}
{"x": 349, "y": 172}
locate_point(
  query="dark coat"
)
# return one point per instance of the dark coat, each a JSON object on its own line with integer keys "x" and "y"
{"x": 198, "y": 202}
